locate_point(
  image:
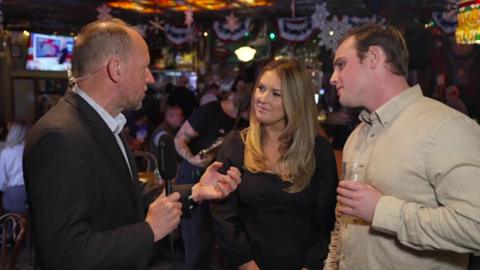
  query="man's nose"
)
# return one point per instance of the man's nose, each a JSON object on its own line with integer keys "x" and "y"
{"x": 150, "y": 79}
{"x": 334, "y": 79}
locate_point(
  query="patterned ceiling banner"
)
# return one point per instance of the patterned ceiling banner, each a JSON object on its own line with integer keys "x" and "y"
{"x": 179, "y": 34}
{"x": 356, "y": 21}
{"x": 295, "y": 29}
{"x": 226, "y": 33}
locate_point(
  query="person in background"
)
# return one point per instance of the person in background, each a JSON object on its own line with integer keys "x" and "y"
{"x": 282, "y": 213}
{"x": 211, "y": 94}
{"x": 182, "y": 96}
{"x": 139, "y": 129}
{"x": 83, "y": 192}
{"x": 172, "y": 123}
{"x": 152, "y": 105}
{"x": 238, "y": 85}
{"x": 11, "y": 174}
{"x": 418, "y": 205}
{"x": 205, "y": 128}
{"x": 452, "y": 99}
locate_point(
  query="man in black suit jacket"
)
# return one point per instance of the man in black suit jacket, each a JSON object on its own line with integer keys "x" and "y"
{"x": 83, "y": 193}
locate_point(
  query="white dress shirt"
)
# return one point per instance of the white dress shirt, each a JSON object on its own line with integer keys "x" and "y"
{"x": 11, "y": 173}
{"x": 114, "y": 123}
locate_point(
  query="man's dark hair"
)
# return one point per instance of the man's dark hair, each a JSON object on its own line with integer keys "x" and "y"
{"x": 386, "y": 37}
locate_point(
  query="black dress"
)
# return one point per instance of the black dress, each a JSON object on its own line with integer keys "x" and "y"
{"x": 277, "y": 229}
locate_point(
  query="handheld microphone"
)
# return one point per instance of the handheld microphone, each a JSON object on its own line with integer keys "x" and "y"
{"x": 167, "y": 160}
{"x": 167, "y": 166}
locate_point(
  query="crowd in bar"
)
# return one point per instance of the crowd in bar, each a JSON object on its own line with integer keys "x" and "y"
{"x": 273, "y": 135}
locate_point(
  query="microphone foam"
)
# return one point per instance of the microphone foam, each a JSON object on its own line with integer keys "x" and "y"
{"x": 167, "y": 157}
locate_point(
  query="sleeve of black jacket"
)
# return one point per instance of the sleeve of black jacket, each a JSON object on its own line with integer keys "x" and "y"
{"x": 56, "y": 188}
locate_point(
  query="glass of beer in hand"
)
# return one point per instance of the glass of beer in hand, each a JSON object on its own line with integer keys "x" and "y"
{"x": 352, "y": 170}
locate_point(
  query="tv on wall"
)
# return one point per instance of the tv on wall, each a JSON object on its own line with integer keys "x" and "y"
{"x": 49, "y": 52}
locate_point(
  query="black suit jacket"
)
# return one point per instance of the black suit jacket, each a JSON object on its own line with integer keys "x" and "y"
{"x": 86, "y": 209}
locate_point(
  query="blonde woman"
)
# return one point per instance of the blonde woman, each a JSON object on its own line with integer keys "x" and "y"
{"x": 283, "y": 211}
{"x": 11, "y": 173}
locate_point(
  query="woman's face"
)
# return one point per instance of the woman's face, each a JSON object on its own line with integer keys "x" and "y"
{"x": 268, "y": 100}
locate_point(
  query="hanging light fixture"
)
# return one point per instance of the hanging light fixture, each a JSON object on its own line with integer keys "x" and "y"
{"x": 468, "y": 28}
{"x": 245, "y": 53}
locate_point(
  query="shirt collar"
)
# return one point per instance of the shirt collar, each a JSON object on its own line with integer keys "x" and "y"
{"x": 115, "y": 124}
{"x": 392, "y": 108}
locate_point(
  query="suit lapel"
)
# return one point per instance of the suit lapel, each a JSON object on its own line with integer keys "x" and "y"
{"x": 106, "y": 140}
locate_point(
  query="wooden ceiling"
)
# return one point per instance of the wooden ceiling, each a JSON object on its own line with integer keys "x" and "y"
{"x": 65, "y": 16}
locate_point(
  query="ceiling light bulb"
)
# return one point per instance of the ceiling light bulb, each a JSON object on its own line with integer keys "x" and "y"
{"x": 245, "y": 53}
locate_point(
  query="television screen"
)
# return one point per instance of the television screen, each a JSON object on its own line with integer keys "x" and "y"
{"x": 49, "y": 52}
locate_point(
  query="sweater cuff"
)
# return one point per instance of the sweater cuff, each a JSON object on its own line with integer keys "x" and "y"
{"x": 387, "y": 215}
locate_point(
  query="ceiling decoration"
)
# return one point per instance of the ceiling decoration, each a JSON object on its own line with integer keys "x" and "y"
{"x": 468, "y": 30}
{"x": 104, "y": 12}
{"x": 161, "y": 6}
{"x": 67, "y": 16}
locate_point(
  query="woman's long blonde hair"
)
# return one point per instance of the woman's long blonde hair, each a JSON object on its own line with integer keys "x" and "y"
{"x": 296, "y": 163}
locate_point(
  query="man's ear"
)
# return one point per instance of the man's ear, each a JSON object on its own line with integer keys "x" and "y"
{"x": 375, "y": 56}
{"x": 114, "y": 69}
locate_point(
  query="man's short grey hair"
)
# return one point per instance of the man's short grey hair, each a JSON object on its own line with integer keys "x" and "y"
{"x": 97, "y": 43}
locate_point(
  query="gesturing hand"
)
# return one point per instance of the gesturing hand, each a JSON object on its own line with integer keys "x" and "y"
{"x": 214, "y": 185}
{"x": 164, "y": 214}
{"x": 357, "y": 199}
